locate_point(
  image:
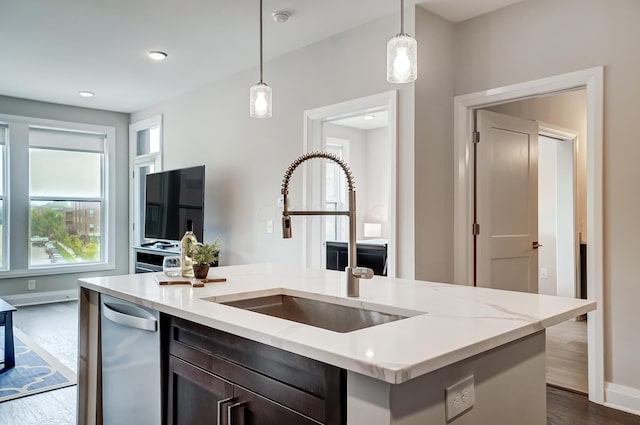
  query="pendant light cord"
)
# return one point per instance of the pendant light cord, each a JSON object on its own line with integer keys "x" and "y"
{"x": 261, "y": 41}
{"x": 401, "y": 16}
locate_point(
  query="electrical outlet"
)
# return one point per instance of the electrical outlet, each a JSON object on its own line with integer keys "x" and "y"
{"x": 543, "y": 272}
{"x": 31, "y": 284}
{"x": 460, "y": 397}
{"x": 269, "y": 226}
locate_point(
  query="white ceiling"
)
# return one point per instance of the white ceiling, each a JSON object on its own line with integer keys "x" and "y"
{"x": 53, "y": 49}
{"x": 380, "y": 119}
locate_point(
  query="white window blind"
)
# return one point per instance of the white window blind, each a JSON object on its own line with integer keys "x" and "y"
{"x": 66, "y": 140}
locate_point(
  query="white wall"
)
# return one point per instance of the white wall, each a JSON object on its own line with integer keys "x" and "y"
{"x": 539, "y": 38}
{"x": 378, "y": 178}
{"x": 547, "y": 212}
{"x": 567, "y": 257}
{"x": 369, "y": 162}
{"x": 246, "y": 158}
{"x": 34, "y": 109}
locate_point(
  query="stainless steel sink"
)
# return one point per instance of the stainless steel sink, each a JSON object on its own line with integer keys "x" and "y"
{"x": 334, "y": 317}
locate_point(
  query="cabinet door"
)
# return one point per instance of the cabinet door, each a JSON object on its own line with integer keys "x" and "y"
{"x": 253, "y": 409}
{"x": 194, "y": 395}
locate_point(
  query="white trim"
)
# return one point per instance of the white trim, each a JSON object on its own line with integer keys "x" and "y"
{"x": 593, "y": 80}
{"x": 622, "y": 398}
{"x": 41, "y": 297}
{"x": 147, "y": 123}
{"x": 312, "y": 140}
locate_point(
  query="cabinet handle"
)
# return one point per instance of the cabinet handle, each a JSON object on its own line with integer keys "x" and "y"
{"x": 230, "y": 412}
{"x": 219, "y": 410}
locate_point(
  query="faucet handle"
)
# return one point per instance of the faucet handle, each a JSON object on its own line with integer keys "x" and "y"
{"x": 362, "y": 272}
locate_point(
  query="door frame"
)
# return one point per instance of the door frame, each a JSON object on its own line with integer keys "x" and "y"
{"x": 592, "y": 80}
{"x": 312, "y": 177}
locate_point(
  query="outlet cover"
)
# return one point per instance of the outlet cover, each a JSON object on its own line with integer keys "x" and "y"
{"x": 543, "y": 273}
{"x": 460, "y": 397}
{"x": 31, "y": 285}
{"x": 269, "y": 226}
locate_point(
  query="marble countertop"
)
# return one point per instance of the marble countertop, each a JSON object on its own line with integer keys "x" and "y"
{"x": 448, "y": 323}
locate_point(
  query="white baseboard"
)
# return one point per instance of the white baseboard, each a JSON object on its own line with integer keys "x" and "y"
{"x": 41, "y": 297}
{"x": 622, "y": 398}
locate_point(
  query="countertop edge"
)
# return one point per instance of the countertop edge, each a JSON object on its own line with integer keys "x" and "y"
{"x": 393, "y": 374}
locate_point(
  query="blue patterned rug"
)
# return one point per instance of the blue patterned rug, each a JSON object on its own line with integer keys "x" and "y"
{"x": 36, "y": 370}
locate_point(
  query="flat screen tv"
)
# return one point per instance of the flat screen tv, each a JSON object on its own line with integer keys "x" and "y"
{"x": 171, "y": 198}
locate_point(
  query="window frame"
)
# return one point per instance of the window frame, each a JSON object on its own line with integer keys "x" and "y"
{"x": 342, "y": 146}
{"x": 4, "y": 201}
{"x": 136, "y": 163}
{"x": 18, "y": 200}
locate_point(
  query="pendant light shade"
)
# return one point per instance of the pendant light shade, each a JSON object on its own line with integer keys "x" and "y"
{"x": 260, "y": 106}
{"x": 260, "y": 93}
{"x": 402, "y": 55}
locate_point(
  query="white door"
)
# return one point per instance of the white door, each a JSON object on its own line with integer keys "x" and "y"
{"x": 506, "y": 202}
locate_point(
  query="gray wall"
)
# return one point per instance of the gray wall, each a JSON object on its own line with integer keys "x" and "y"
{"x": 540, "y": 38}
{"x": 29, "y": 108}
{"x": 434, "y": 148}
{"x": 246, "y": 158}
{"x": 377, "y": 186}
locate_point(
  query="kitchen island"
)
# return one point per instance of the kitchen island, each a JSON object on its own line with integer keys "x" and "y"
{"x": 397, "y": 372}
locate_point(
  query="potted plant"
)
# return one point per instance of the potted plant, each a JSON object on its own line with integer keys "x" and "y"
{"x": 203, "y": 255}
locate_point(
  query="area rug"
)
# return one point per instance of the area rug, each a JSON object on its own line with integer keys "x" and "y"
{"x": 36, "y": 371}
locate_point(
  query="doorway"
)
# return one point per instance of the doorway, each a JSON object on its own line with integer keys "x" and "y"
{"x": 368, "y": 145}
{"x": 560, "y": 180}
{"x": 591, "y": 80}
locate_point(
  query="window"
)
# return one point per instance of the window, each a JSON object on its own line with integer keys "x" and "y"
{"x": 145, "y": 138}
{"x": 60, "y": 172}
{"x": 66, "y": 172}
{"x": 336, "y": 191}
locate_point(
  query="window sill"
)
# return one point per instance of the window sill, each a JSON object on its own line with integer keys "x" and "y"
{"x": 46, "y": 271}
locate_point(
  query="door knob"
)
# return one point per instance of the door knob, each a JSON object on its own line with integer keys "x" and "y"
{"x": 535, "y": 245}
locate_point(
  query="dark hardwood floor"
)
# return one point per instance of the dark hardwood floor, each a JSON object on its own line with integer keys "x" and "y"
{"x": 569, "y": 408}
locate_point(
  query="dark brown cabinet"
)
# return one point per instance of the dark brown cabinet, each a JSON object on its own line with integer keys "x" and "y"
{"x": 218, "y": 378}
{"x": 194, "y": 394}
{"x": 249, "y": 408}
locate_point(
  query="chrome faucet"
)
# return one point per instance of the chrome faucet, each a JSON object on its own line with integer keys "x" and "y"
{"x": 353, "y": 272}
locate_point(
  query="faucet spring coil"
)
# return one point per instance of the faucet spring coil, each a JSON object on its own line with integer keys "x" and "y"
{"x": 317, "y": 154}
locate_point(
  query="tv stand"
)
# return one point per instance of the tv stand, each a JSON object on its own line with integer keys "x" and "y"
{"x": 159, "y": 244}
{"x": 148, "y": 257}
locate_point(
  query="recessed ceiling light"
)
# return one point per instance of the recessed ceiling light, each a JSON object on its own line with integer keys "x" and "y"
{"x": 157, "y": 55}
{"x": 369, "y": 117}
{"x": 85, "y": 93}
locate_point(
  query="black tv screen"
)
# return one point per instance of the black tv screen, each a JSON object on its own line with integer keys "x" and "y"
{"x": 171, "y": 198}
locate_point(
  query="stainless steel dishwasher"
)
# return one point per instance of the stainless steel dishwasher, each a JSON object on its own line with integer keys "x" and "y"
{"x": 130, "y": 363}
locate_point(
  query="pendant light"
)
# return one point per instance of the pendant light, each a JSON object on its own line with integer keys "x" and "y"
{"x": 402, "y": 55}
{"x": 260, "y": 94}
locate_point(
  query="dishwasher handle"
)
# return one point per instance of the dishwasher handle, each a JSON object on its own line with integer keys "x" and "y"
{"x": 129, "y": 315}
